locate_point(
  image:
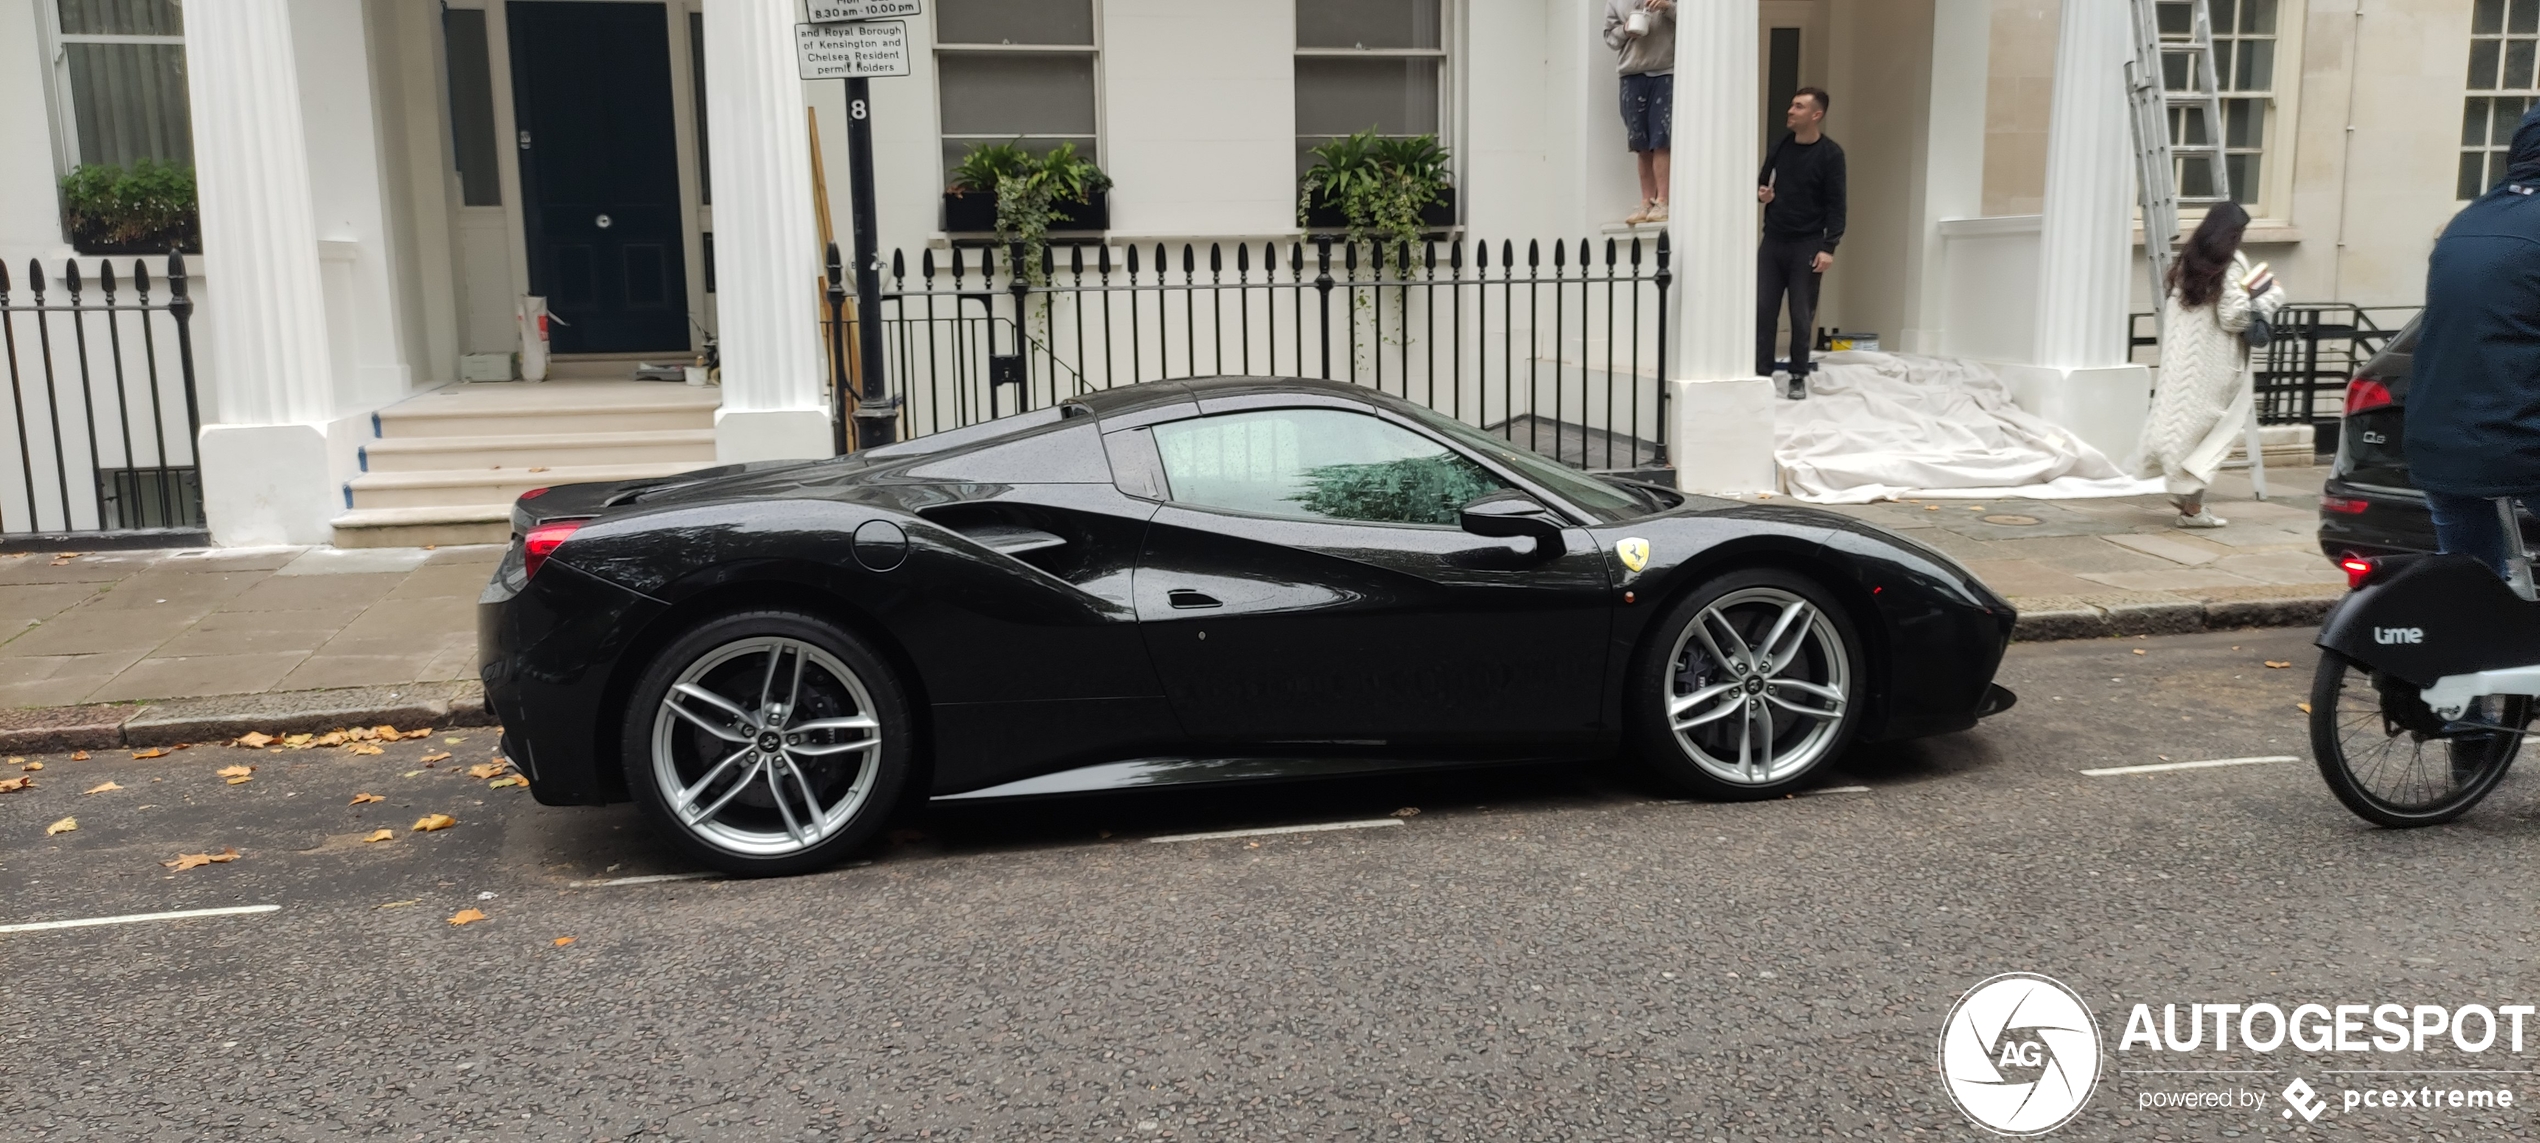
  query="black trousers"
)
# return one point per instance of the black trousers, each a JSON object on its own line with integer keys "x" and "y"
{"x": 1785, "y": 267}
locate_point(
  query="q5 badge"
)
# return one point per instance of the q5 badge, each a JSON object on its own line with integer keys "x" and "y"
{"x": 1634, "y": 552}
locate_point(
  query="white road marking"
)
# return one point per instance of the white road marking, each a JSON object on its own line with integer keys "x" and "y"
{"x": 129, "y": 918}
{"x": 1835, "y": 790}
{"x": 2156, "y": 767}
{"x": 1277, "y": 829}
{"x": 647, "y": 879}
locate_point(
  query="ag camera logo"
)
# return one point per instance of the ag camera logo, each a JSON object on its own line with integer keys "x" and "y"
{"x": 2020, "y": 1054}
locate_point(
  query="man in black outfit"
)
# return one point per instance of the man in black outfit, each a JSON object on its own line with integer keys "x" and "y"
{"x": 1802, "y": 189}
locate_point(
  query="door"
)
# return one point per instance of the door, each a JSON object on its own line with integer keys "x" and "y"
{"x": 1306, "y": 584}
{"x": 599, "y": 173}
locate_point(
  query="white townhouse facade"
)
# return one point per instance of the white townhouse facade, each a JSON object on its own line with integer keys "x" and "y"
{"x": 381, "y": 179}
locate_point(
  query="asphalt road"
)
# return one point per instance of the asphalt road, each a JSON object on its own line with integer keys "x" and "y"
{"x": 1533, "y": 955}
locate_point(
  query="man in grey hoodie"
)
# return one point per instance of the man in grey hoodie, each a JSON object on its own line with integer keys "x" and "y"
{"x": 1643, "y": 36}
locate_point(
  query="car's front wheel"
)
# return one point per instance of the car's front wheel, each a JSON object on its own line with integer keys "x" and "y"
{"x": 767, "y": 742}
{"x": 1751, "y": 682}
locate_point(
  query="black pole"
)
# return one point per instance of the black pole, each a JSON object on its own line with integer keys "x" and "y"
{"x": 877, "y": 415}
{"x": 836, "y": 295}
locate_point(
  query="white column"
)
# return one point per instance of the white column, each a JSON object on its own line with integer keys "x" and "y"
{"x": 1949, "y": 167}
{"x": 2080, "y": 378}
{"x": 766, "y": 247}
{"x": 1722, "y": 427}
{"x": 266, "y": 478}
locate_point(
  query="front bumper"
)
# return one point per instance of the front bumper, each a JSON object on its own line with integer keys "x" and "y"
{"x": 548, "y": 652}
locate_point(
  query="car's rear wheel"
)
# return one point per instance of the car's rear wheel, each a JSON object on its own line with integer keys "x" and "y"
{"x": 1751, "y": 683}
{"x": 767, "y": 742}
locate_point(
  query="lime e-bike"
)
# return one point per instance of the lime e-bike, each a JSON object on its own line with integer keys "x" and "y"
{"x": 2429, "y": 672}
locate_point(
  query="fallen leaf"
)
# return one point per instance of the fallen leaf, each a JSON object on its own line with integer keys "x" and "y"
{"x": 298, "y": 741}
{"x": 233, "y": 771}
{"x": 429, "y": 822}
{"x": 153, "y": 752}
{"x": 465, "y": 916}
{"x": 9, "y": 784}
{"x": 241, "y": 780}
{"x": 398, "y": 904}
{"x": 426, "y": 732}
{"x": 253, "y": 739}
{"x": 65, "y": 825}
{"x": 537, "y": 468}
{"x": 436, "y": 756}
{"x": 365, "y": 748}
{"x": 487, "y": 769}
{"x": 2278, "y": 663}
{"x": 102, "y": 787}
{"x": 2138, "y": 650}
{"x": 30, "y": 767}
{"x": 361, "y": 798}
{"x": 331, "y": 738}
{"x": 563, "y": 941}
{"x": 1406, "y": 812}
{"x": 2306, "y": 707}
{"x": 185, "y": 861}
{"x": 411, "y": 774}
{"x": 507, "y": 780}
{"x": 1931, "y": 507}
{"x": 388, "y": 733}
{"x": 79, "y": 756}
{"x": 380, "y": 835}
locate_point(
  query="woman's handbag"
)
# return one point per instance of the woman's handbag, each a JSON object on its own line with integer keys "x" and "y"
{"x": 2259, "y": 280}
{"x": 2259, "y": 334}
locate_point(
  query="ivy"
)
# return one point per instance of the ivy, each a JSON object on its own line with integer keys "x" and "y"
{"x": 1028, "y": 189}
{"x": 1379, "y": 184}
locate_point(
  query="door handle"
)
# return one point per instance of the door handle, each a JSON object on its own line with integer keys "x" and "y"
{"x": 1186, "y": 598}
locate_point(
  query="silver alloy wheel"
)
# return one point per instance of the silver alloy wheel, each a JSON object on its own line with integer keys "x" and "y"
{"x": 766, "y": 746}
{"x": 1756, "y": 686}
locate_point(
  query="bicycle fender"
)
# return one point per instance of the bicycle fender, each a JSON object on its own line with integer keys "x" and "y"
{"x": 2432, "y": 617}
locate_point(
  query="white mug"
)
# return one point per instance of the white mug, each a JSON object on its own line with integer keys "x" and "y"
{"x": 1637, "y": 23}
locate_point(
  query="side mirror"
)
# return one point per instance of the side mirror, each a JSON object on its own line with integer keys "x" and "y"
{"x": 1509, "y": 513}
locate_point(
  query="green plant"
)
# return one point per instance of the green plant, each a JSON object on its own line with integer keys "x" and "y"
{"x": 1379, "y": 184}
{"x": 1028, "y": 191}
{"x": 143, "y": 202}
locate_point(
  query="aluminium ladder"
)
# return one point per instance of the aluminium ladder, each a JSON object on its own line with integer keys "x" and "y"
{"x": 2153, "y": 100}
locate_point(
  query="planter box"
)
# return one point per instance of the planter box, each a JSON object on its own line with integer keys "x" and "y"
{"x": 976, "y": 213}
{"x": 89, "y": 238}
{"x": 1321, "y": 215}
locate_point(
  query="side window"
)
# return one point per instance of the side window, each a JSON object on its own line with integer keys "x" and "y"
{"x": 1318, "y": 462}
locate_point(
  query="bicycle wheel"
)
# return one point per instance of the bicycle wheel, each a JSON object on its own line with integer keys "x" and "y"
{"x": 2383, "y": 752}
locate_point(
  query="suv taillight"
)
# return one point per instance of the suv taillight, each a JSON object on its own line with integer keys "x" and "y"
{"x": 543, "y": 541}
{"x": 2364, "y": 394}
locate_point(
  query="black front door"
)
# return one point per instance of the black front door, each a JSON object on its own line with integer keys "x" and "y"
{"x": 599, "y": 173}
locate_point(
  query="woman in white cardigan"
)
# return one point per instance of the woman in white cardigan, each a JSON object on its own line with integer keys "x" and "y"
{"x": 2206, "y": 390}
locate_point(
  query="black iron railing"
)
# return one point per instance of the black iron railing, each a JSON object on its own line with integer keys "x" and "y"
{"x": 1557, "y": 346}
{"x": 98, "y": 437}
{"x": 2315, "y": 349}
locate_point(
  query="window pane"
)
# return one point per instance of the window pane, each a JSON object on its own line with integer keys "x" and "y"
{"x": 2517, "y": 65}
{"x": 471, "y": 107}
{"x": 1009, "y": 94}
{"x": 129, "y": 103}
{"x": 2490, "y": 18}
{"x": 1367, "y": 24}
{"x": 2525, "y": 18}
{"x": 2474, "y": 122}
{"x": 1339, "y": 96}
{"x": 2482, "y": 65}
{"x": 2244, "y": 123}
{"x": 2473, "y": 175}
{"x": 2508, "y": 115}
{"x": 2178, "y": 19}
{"x": 2222, "y": 12}
{"x": 2176, "y": 72}
{"x": 2254, "y": 70}
{"x": 2195, "y": 177}
{"x": 2257, "y": 18}
{"x": 2187, "y": 127}
{"x": 1014, "y": 22}
{"x": 2244, "y": 178}
{"x": 122, "y": 18}
{"x": 1318, "y": 462}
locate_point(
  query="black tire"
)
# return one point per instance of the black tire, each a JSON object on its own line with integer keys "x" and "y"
{"x": 739, "y": 764}
{"x": 1676, "y": 665}
{"x": 2381, "y": 751}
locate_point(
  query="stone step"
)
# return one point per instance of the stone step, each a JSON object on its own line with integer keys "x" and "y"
{"x": 517, "y": 451}
{"x": 499, "y": 487}
{"x": 417, "y": 527}
{"x": 552, "y": 408}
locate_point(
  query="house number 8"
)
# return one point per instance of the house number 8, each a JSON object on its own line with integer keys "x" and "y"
{"x": 855, "y": 109}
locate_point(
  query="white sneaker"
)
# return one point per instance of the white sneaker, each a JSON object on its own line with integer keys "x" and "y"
{"x": 1657, "y": 212}
{"x": 2202, "y": 520}
{"x": 1637, "y": 217}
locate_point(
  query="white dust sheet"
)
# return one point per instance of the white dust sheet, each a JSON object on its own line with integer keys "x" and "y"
{"x": 1882, "y": 426}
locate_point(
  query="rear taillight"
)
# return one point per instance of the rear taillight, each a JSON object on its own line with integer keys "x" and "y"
{"x": 543, "y": 541}
{"x": 2364, "y": 394}
{"x": 2344, "y": 506}
{"x": 2358, "y": 571}
{"x": 533, "y": 494}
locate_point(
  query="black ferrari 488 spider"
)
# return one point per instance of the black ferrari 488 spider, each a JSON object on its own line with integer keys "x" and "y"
{"x": 1204, "y": 581}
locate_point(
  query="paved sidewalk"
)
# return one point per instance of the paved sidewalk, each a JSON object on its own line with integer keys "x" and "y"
{"x": 149, "y": 648}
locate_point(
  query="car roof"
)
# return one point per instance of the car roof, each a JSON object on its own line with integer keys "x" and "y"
{"x": 1128, "y": 400}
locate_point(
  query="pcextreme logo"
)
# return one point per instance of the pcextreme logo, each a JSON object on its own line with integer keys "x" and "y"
{"x": 2020, "y": 1054}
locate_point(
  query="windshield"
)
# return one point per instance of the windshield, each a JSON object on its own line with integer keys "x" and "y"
{"x": 1606, "y": 502}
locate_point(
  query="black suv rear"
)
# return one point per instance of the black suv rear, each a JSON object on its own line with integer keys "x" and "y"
{"x": 2368, "y": 506}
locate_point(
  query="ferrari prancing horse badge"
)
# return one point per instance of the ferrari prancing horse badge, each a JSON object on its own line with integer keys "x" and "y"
{"x": 1634, "y": 552}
